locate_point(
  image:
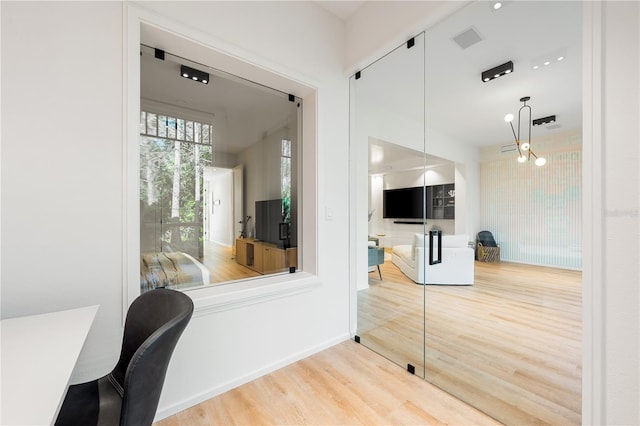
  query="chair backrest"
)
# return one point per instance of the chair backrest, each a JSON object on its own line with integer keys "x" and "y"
{"x": 486, "y": 239}
{"x": 155, "y": 321}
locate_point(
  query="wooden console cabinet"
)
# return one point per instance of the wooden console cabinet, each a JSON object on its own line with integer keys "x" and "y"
{"x": 263, "y": 257}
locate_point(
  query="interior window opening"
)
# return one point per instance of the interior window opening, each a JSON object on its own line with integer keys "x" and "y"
{"x": 217, "y": 176}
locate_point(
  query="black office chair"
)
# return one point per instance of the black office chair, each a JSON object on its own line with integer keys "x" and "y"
{"x": 129, "y": 394}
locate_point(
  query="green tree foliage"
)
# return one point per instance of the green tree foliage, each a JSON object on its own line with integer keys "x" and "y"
{"x": 157, "y": 166}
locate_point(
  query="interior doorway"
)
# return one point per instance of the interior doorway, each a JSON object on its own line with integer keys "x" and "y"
{"x": 219, "y": 205}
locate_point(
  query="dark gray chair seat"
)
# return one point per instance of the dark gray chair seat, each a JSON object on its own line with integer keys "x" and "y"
{"x": 129, "y": 395}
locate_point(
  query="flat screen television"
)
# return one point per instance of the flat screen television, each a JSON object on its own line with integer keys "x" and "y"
{"x": 403, "y": 203}
{"x": 268, "y": 219}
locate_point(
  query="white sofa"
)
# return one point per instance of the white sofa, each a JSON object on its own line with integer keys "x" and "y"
{"x": 458, "y": 261}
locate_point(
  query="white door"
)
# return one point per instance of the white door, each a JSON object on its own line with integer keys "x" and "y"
{"x": 219, "y": 205}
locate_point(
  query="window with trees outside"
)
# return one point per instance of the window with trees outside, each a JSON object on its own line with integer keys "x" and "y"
{"x": 285, "y": 176}
{"x": 173, "y": 154}
{"x": 218, "y": 177}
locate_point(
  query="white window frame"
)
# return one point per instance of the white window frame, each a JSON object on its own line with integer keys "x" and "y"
{"x": 214, "y": 298}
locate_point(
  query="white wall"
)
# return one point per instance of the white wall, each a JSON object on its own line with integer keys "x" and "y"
{"x": 395, "y": 233}
{"x": 380, "y": 26}
{"x": 621, "y": 201}
{"x": 535, "y": 212}
{"x": 225, "y": 347}
{"x": 64, "y": 181}
{"x": 261, "y": 163}
{"x": 62, "y": 172}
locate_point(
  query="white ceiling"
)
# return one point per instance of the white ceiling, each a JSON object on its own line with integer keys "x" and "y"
{"x": 341, "y": 9}
{"x": 242, "y": 112}
{"x": 457, "y": 102}
{"x": 460, "y": 105}
{"x": 386, "y": 157}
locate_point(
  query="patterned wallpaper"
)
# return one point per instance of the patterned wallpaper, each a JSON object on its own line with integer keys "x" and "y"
{"x": 535, "y": 213}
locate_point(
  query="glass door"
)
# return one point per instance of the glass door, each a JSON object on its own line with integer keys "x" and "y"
{"x": 389, "y": 203}
{"x": 509, "y": 343}
{"x": 428, "y": 130}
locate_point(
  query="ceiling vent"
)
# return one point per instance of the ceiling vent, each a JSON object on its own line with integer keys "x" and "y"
{"x": 467, "y": 38}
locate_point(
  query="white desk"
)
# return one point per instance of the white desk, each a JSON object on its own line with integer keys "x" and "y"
{"x": 39, "y": 353}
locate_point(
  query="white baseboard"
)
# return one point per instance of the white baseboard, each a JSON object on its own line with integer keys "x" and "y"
{"x": 192, "y": 400}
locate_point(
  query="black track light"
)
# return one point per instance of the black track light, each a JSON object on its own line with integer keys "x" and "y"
{"x": 194, "y": 74}
{"x": 498, "y": 71}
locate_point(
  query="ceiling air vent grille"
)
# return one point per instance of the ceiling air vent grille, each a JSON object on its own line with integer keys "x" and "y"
{"x": 467, "y": 38}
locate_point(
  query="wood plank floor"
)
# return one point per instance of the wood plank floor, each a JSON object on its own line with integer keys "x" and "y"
{"x": 509, "y": 345}
{"x": 222, "y": 264}
{"x": 347, "y": 384}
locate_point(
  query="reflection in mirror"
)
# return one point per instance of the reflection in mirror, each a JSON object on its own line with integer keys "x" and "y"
{"x": 218, "y": 175}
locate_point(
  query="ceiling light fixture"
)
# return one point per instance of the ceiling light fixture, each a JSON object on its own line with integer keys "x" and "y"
{"x": 194, "y": 74}
{"x": 524, "y": 148}
{"x": 544, "y": 120}
{"x": 498, "y": 71}
{"x": 548, "y": 60}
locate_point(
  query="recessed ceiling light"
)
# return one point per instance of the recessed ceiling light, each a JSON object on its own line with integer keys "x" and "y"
{"x": 560, "y": 58}
{"x": 497, "y": 5}
{"x": 547, "y": 62}
{"x": 535, "y": 67}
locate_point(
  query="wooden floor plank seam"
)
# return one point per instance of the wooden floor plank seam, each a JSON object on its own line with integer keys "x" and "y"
{"x": 509, "y": 345}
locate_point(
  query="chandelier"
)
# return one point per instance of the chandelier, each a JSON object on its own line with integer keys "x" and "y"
{"x": 524, "y": 147}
